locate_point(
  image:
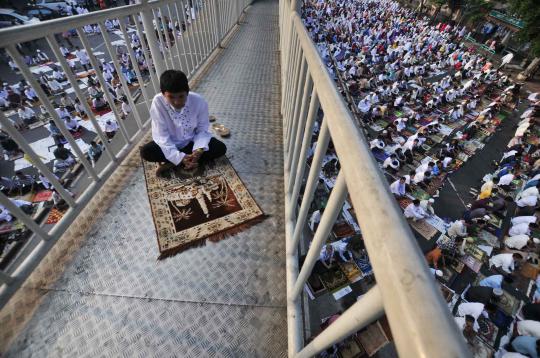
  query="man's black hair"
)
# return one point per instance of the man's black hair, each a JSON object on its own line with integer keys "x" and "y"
{"x": 173, "y": 81}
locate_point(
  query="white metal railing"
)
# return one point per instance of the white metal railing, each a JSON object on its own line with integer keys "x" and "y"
{"x": 419, "y": 319}
{"x": 169, "y": 38}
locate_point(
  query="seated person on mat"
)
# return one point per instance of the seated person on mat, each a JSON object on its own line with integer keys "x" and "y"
{"x": 180, "y": 127}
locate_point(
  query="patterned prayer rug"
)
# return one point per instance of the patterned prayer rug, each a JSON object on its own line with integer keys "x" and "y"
{"x": 54, "y": 216}
{"x": 43, "y": 195}
{"x": 423, "y": 228}
{"x": 189, "y": 207}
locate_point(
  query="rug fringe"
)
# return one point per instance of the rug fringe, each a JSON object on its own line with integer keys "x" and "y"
{"x": 213, "y": 238}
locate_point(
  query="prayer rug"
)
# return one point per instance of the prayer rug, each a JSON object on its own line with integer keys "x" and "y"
{"x": 373, "y": 338}
{"x": 364, "y": 265}
{"x": 189, "y": 207}
{"x": 54, "y": 216}
{"x": 472, "y": 263}
{"x": 423, "y": 228}
{"x": 315, "y": 284}
{"x": 43, "y": 195}
{"x": 333, "y": 279}
{"x": 488, "y": 331}
{"x": 420, "y": 194}
{"x": 350, "y": 348}
{"x": 447, "y": 293}
{"x": 508, "y": 303}
{"x": 350, "y": 270}
{"x": 342, "y": 229}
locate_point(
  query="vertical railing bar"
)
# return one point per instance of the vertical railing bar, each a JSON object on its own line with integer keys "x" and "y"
{"x": 149, "y": 60}
{"x": 167, "y": 49}
{"x": 288, "y": 86}
{"x": 299, "y": 164}
{"x": 203, "y": 31}
{"x": 102, "y": 82}
{"x": 189, "y": 39}
{"x": 74, "y": 84}
{"x": 167, "y": 36}
{"x": 36, "y": 160}
{"x": 161, "y": 42}
{"x": 123, "y": 81}
{"x": 196, "y": 34}
{"x": 209, "y": 34}
{"x": 298, "y": 71}
{"x": 13, "y": 52}
{"x": 215, "y": 26}
{"x": 188, "y": 60}
{"x": 293, "y": 163}
{"x": 366, "y": 310}
{"x": 135, "y": 65}
{"x": 27, "y": 220}
{"x": 293, "y": 63}
{"x": 301, "y": 100}
{"x": 311, "y": 183}
{"x": 177, "y": 64}
{"x": 328, "y": 219}
{"x": 5, "y": 278}
{"x": 175, "y": 37}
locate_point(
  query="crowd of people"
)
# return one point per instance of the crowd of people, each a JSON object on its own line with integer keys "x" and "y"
{"x": 428, "y": 102}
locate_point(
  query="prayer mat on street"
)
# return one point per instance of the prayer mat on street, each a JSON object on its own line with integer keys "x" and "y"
{"x": 423, "y": 228}
{"x": 508, "y": 303}
{"x": 54, "y": 216}
{"x": 373, "y": 338}
{"x": 43, "y": 195}
{"x": 488, "y": 331}
{"x": 334, "y": 279}
{"x": 351, "y": 270}
{"x": 472, "y": 263}
{"x": 210, "y": 202}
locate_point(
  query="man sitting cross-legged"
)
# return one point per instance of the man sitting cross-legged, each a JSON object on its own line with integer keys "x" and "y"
{"x": 180, "y": 126}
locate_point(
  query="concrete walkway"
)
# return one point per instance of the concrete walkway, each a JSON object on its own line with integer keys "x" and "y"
{"x": 225, "y": 299}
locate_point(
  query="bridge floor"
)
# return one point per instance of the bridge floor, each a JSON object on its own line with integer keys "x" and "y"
{"x": 226, "y": 299}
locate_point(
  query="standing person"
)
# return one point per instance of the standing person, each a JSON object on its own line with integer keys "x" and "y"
{"x": 180, "y": 127}
{"x": 83, "y": 57}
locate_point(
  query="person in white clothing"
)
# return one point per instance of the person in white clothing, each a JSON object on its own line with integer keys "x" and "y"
{"x": 427, "y": 205}
{"x": 517, "y": 242}
{"x": 529, "y": 328}
{"x": 474, "y": 309}
{"x": 180, "y": 127}
{"x": 527, "y": 201}
{"x": 504, "y": 261}
{"x": 531, "y": 219}
{"x": 520, "y": 229}
{"x": 315, "y": 219}
{"x": 457, "y": 229}
{"x": 398, "y": 187}
{"x": 414, "y": 211}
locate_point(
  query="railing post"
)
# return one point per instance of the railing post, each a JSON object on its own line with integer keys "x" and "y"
{"x": 333, "y": 208}
{"x": 218, "y": 23}
{"x": 366, "y": 310}
{"x": 149, "y": 30}
{"x": 5, "y": 278}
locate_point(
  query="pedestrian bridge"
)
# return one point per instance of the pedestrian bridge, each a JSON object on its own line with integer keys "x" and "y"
{"x": 91, "y": 285}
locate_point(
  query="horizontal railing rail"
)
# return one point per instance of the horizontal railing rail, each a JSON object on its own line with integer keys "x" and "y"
{"x": 152, "y": 36}
{"x": 405, "y": 291}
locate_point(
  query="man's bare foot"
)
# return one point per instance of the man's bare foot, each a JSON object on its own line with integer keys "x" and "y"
{"x": 163, "y": 169}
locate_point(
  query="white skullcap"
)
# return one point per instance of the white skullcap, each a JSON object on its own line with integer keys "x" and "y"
{"x": 497, "y": 292}
{"x": 438, "y": 273}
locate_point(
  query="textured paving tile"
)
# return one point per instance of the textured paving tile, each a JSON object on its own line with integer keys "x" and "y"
{"x": 225, "y": 299}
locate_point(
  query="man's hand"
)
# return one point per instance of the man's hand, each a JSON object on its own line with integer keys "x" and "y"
{"x": 191, "y": 161}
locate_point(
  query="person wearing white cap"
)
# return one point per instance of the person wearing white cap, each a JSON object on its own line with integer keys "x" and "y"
{"x": 457, "y": 228}
{"x": 427, "y": 205}
{"x": 517, "y": 242}
{"x": 435, "y": 272}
